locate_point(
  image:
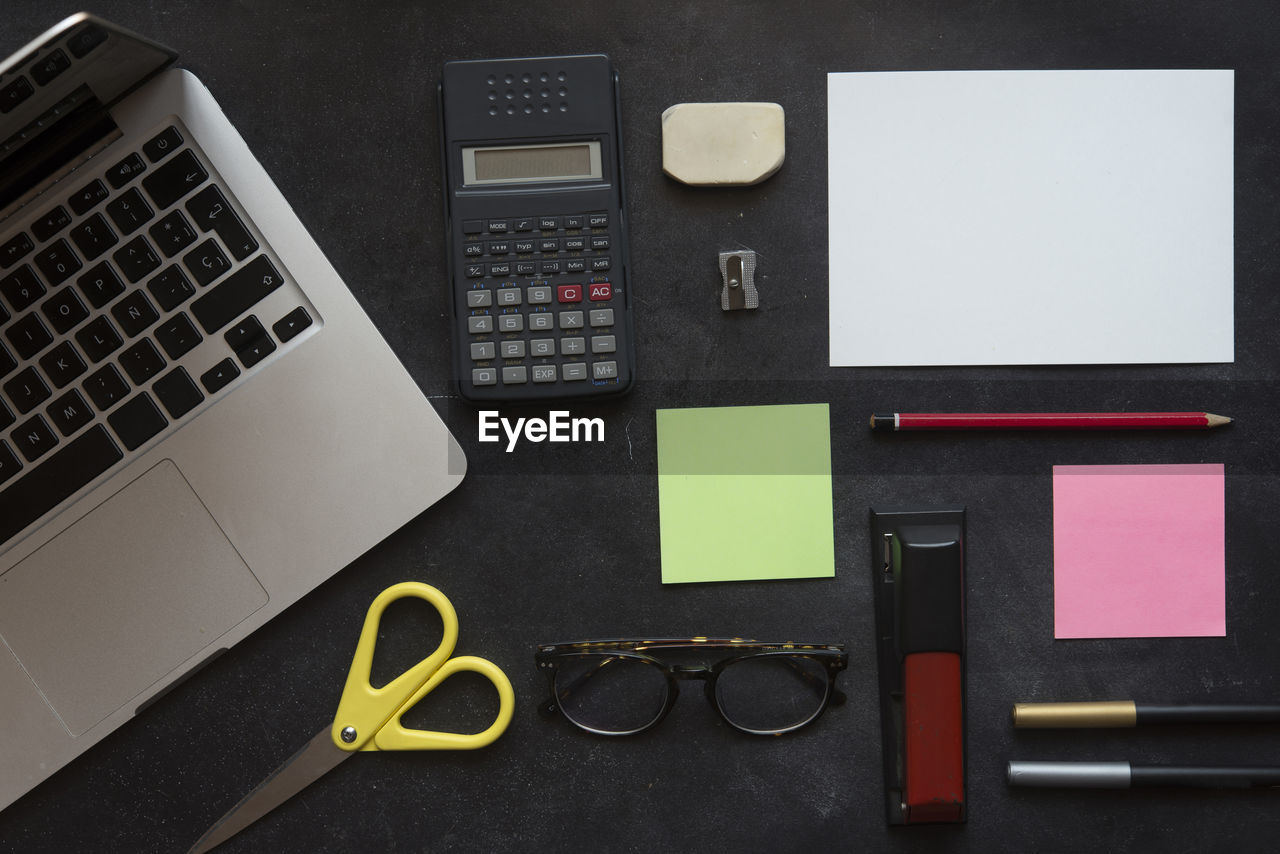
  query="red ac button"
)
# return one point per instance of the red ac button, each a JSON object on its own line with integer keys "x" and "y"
{"x": 601, "y": 291}
{"x": 569, "y": 293}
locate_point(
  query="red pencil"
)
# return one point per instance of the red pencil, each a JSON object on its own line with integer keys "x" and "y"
{"x": 1047, "y": 421}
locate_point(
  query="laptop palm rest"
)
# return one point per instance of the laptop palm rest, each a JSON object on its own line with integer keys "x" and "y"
{"x": 97, "y": 615}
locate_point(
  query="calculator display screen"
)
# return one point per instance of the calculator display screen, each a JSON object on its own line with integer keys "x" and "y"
{"x": 520, "y": 164}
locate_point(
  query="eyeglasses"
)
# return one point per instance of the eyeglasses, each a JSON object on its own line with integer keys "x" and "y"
{"x": 616, "y": 687}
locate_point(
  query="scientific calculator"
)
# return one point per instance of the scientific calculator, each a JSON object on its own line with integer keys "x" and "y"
{"x": 538, "y": 262}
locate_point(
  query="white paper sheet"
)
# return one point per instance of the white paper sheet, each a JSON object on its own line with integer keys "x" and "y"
{"x": 1030, "y": 217}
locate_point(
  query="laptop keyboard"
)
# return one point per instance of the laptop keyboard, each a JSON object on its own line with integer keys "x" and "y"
{"x": 108, "y": 299}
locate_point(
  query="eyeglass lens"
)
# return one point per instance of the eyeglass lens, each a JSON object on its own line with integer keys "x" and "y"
{"x": 610, "y": 694}
{"x": 772, "y": 693}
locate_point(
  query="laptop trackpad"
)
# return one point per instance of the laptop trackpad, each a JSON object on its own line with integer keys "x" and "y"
{"x": 100, "y": 613}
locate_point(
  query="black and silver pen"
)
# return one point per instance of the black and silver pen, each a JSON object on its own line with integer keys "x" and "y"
{"x": 1127, "y": 713}
{"x": 1122, "y": 775}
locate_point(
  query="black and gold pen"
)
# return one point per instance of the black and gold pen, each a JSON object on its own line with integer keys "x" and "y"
{"x": 1127, "y": 713}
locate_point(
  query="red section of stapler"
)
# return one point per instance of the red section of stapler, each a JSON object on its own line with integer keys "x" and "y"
{"x": 918, "y": 569}
{"x": 933, "y": 715}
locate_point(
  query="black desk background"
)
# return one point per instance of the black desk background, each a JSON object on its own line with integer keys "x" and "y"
{"x": 555, "y": 543}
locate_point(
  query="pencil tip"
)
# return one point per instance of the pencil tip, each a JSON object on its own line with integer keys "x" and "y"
{"x": 1216, "y": 420}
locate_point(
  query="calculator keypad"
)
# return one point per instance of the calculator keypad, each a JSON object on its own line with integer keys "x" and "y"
{"x": 541, "y": 306}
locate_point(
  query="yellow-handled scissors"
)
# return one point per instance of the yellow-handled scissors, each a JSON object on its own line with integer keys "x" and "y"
{"x": 368, "y": 718}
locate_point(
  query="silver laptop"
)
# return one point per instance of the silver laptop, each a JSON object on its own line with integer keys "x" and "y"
{"x": 198, "y": 424}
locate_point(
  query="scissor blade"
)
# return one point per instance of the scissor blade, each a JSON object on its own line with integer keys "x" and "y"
{"x": 317, "y": 758}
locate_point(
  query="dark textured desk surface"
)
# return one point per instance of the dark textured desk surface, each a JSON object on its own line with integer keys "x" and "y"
{"x": 556, "y": 543}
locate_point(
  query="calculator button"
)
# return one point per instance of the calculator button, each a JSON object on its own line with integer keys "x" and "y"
{"x": 479, "y": 324}
{"x": 573, "y": 222}
{"x": 523, "y": 224}
{"x": 541, "y": 321}
{"x": 601, "y": 291}
{"x": 511, "y": 323}
{"x": 570, "y": 320}
{"x": 503, "y": 269}
{"x": 599, "y": 264}
{"x": 472, "y": 226}
{"x": 539, "y": 294}
{"x": 515, "y": 375}
{"x": 479, "y": 299}
{"x": 549, "y": 223}
{"x": 598, "y": 220}
{"x": 542, "y": 347}
{"x": 524, "y": 246}
{"x": 509, "y": 296}
{"x": 472, "y": 249}
{"x": 513, "y": 349}
{"x": 474, "y": 271}
{"x": 484, "y": 376}
{"x": 499, "y": 247}
{"x": 600, "y": 241}
{"x": 498, "y": 226}
{"x": 573, "y": 346}
{"x": 549, "y": 244}
{"x": 604, "y": 370}
{"x": 574, "y": 371}
{"x": 601, "y": 317}
{"x": 548, "y": 267}
{"x": 575, "y": 244}
{"x": 544, "y": 373}
{"x": 575, "y": 265}
{"x": 604, "y": 344}
{"x": 569, "y": 293}
{"x": 526, "y": 268}
{"x": 481, "y": 350}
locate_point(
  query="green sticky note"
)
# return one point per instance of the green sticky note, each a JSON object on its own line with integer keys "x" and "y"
{"x": 744, "y": 493}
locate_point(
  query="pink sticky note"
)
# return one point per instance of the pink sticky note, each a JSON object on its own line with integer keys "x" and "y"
{"x": 1138, "y": 551}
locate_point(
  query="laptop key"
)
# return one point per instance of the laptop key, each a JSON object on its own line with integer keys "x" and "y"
{"x": 171, "y": 289}
{"x": 70, "y": 412}
{"x": 141, "y": 361}
{"x": 177, "y": 392}
{"x": 137, "y": 421}
{"x": 177, "y": 335}
{"x": 64, "y": 310}
{"x": 99, "y": 339}
{"x": 216, "y": 378}
{"x": 21, "y": 287}
{"x": 27, "y": 390}
{"x": 134, "y": 313}
{"x": 94, "y": 236}
{"x": 100, "y": 285}
{"x": 88, "y": 196}
{"x": 211, "y": 212}
{"x": 136, "y": 259}
{"x": 106, "y": 387}
{"x": 62, "y": 364}
{"x": 55, "y": 479}
{"x": 28, "y": 336}
{"x": 34, "y": 438}
{"x": 206, "y": 262}
{"x": 233, "y": 297}
{"x": 172, "y": 233}
{"x": 50, "y": 224}
{"x": 6, "y": 417}
{"x": 57, "y": 261}
{"x": 7, "y": 362}
{"x": 130, "y": 212}
{"x": 125, "y": 171}
{"x": 291, "y": 324}
{"x": 250, "y": 341}
{"x": 175, "y": 179}
{"x": 14, "y": 249}
{"x": 9, "y": 464}
{"x": 163, "y": 144}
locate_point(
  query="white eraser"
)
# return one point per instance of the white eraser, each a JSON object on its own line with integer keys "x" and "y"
{"x": 722, "y": 144}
